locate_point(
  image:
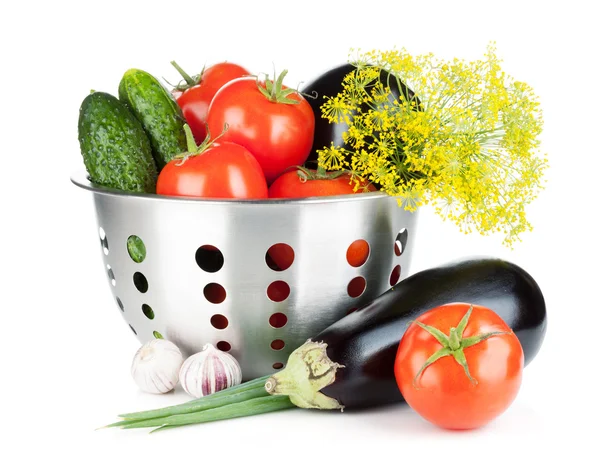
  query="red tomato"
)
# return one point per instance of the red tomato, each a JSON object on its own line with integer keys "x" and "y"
{"x": 195, "y": 100}
{"x": 279, "y": 135}
{"x": 224, "y": 170}
{"x": 292, "y": 185}
{"x": 449, "y": 394}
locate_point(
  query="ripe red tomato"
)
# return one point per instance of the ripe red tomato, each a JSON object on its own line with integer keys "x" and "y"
{"x": 224, "y": 170}
{"x": 443, "y": 391}
{"x": 294, "y": 185}
{"x": 195, "y": 100}
{"x": 277, "y": 133}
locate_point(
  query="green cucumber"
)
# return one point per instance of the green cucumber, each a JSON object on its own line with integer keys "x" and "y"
{"x": 115, "y": 149}
{"x": 158, "y": 112}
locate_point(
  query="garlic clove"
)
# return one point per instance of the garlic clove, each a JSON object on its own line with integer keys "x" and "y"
{"x": 209, "y": 371}
{"x": 155, "y": 367}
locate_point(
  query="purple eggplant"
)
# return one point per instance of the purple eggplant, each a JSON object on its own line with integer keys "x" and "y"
{"x": 329, "y": 84}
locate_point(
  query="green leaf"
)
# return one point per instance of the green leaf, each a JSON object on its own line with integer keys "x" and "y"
{"x": 287, "y": 92}
{"x": 263, "y": 90}
{"x": 287, "y": 101}
{"x": 460, "y": 329}
{"x": 432, "y": 359}
{"x": 474, "y": 340}
{"x": 459, "y": 356}
{"x": 279, "y": 83}
{"x": 440, "y": 337}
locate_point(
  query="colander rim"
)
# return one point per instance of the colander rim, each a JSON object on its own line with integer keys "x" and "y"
{"x": 81, "y": 180}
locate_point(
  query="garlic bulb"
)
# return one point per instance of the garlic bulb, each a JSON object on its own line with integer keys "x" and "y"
{"x": 156, "y": 365}
{"x": 209, "y": 371}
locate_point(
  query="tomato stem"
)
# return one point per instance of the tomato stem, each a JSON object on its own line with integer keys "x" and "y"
{"x": 192, "y": 148}
{"x": 273, "y": 89}
{"x": 454, "y": 341}
{"x": 195, "y": 150}
{"x": 320, "y": 174}
{"x": 190, "y": 81}
{"x": 454, "y": 345}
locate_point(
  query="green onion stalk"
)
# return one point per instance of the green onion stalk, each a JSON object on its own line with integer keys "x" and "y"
{"x": 248, "y": 399}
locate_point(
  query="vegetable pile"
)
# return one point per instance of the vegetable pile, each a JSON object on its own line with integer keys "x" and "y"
{"x": 451, "y": 341}
{"x": 461, "y": 136}
{"x": 221, "y": 134}
{"x": 459, "y": 365}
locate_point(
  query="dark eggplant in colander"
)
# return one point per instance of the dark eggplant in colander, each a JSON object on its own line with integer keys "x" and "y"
{"x": 329, "y": 84}
{"x": 351, "y": 363}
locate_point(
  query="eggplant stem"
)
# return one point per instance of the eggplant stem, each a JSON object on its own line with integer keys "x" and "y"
{"x": 308, "y": 370}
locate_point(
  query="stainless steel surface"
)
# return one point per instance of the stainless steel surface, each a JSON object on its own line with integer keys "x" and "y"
{"x": 319, "y": 230}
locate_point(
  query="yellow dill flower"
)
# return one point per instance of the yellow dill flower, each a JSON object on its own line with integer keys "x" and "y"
{"x": 466, "y": 142}
{"x": 332, "y": 158}
{"x": 337, "y": 109}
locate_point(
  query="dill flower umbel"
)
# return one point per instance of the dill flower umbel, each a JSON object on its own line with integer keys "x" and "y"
{"x": 459, "y": 135}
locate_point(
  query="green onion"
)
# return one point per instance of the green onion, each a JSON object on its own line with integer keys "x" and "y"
{"x": 249, "y": 390}
{"x": 250, "y": 407}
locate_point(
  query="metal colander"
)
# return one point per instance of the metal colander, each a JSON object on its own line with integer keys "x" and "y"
{"x": 206, "y": 276}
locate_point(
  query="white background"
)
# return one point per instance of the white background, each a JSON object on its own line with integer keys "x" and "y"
{"x": 65, "y": 352}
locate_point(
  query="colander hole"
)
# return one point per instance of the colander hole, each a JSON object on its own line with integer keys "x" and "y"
{"x": 103, "y": 240}
{"x": 132, "y": 329}
{"x": 395, "y": 276}
{"x": 136, "y": 249}
{"x": 401, "y": 240}
{"x": 157, "y": 335}
{"x": 209, "y": 258}
{"x": 358, "y": 253}
{"x": 277, "y": 365}
{"x": 111, "y": 275}
{"x": 120, "y": 303}
{"x": 148, "y": 312}
{"x": 140, "y": 282}
{"x": 215, "y": 293}
{"x": 278, "y": 320}
{"x": 278, "y": 291}
{"x": 352, "y": 309}
{"x": 219, "y": 321}
{"x": 279, "y": 257}
{"x": 224, "y": 346}
{"x": 277, "y": 344}
{"x": 357, "y": 286}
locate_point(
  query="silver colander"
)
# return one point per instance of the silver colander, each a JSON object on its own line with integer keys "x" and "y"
{"x": 206, "y": 276}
